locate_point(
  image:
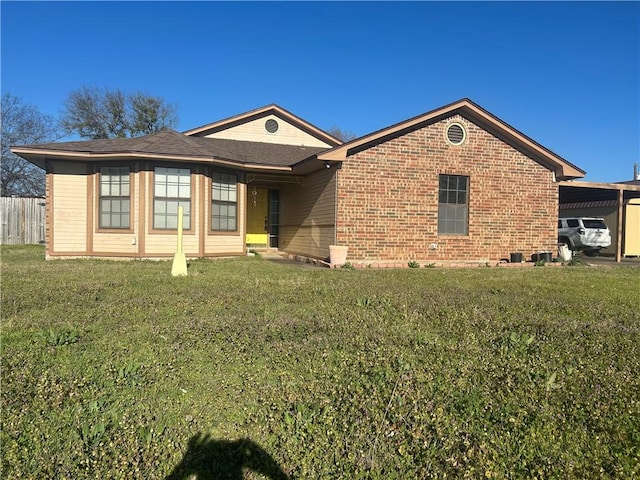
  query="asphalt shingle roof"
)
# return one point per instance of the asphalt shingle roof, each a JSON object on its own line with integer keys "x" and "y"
{"x": 172, "y": 143}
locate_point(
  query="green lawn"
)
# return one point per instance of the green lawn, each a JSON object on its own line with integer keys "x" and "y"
{"x": 118, "y": 370}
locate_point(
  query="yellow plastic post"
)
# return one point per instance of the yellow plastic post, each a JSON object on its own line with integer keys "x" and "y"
{"x": 179, "y": 267}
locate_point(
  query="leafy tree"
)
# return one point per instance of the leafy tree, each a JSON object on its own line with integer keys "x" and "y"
{"x": 340, "y": 134}
{"x": 23, "y": 125}
{"x": 95, "y": 113}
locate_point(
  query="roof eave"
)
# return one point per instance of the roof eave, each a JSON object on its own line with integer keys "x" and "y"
{"x": 260, "y": 112}
{"x": 601, "y": 185}
{"x": 39, "y": 157}
{"x": 465, "y": 107}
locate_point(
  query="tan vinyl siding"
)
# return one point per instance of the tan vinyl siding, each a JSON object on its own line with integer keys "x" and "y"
{"x": 307, "y": 215}
{"x": 69, "y": 208}
{"x": 255, "y": 131}
{"x": 106, "y": 243}
{"x": 224, "y": 245}
{"x": 75, "y": 219}
{"x": 166, "y": 244}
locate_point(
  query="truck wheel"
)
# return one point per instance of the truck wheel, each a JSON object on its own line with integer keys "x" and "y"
{"x": 592, "y": 253}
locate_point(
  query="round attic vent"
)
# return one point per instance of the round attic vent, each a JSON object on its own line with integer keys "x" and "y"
{"x": 455, "y": 134}
{"x": 271, "y": 126}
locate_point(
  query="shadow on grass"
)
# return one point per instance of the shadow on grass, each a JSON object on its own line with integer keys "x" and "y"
{"x": 211, "y": 459}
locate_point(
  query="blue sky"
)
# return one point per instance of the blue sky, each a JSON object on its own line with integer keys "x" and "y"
{"x": 567, "y": 74}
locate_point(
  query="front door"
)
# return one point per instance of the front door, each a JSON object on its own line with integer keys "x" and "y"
{"x": 257, "y": 217}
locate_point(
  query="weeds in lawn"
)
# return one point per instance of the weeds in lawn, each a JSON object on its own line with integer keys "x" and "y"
{"x": 57, "y": 337}
{"x": 364, "y": 302}
{"x": 91, "y": 434}
{"x": 576, "y": 262}
{"x": 457, "y": 373}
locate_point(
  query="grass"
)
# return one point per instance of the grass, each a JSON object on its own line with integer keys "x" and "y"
{"x": 118, "y": 370}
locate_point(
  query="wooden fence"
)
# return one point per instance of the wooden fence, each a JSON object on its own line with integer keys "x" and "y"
{"x": 22, "y": 220}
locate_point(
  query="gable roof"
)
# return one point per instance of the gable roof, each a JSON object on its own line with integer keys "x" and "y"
{"x": 473, "y": 112}
{"x": 265, "y": 111}
{"x": 174, "y": 146}
{"x": 193, "y": 146}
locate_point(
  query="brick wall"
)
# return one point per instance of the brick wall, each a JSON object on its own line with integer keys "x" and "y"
{"x": 388, "y": 198}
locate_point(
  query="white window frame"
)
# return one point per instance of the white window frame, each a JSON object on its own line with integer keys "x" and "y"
{"x": 171, "y": 189}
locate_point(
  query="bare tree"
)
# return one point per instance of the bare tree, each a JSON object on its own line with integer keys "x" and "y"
{"x": 23, "y": 125}
{"x": 149, "y": 114}
{"x": 94, "y": 113}
{"x": 340, "y": 134}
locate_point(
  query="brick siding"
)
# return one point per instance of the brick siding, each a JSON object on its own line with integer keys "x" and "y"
{"x": 388, "y": 198}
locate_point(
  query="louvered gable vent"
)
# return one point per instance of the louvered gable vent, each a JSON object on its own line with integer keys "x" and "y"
{"x": 455, "y": 134}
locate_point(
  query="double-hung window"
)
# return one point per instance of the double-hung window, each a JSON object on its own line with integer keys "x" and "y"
{"x": 115, "y": 201}
{"x": 453, "y": 205}
{"x": 172, "y": 189}
{"x": 224, "y": 202}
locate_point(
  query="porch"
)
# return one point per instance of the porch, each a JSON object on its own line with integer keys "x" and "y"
{"x": 291, "y": 214}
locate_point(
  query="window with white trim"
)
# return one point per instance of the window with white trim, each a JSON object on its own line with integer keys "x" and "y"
{"x": 224, "y": 202}
{"x": 453, "y": 205}
{"x": 115, "y": 200}
{"x": 172, "y": 189}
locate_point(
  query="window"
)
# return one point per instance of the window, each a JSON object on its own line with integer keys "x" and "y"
{"x": 115, "y": 204}
{"x": 594, "y": 223}
{"x": 224, "y": 202}
{"x": 453, "y": 205}
{"x": 172, "y": 189}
